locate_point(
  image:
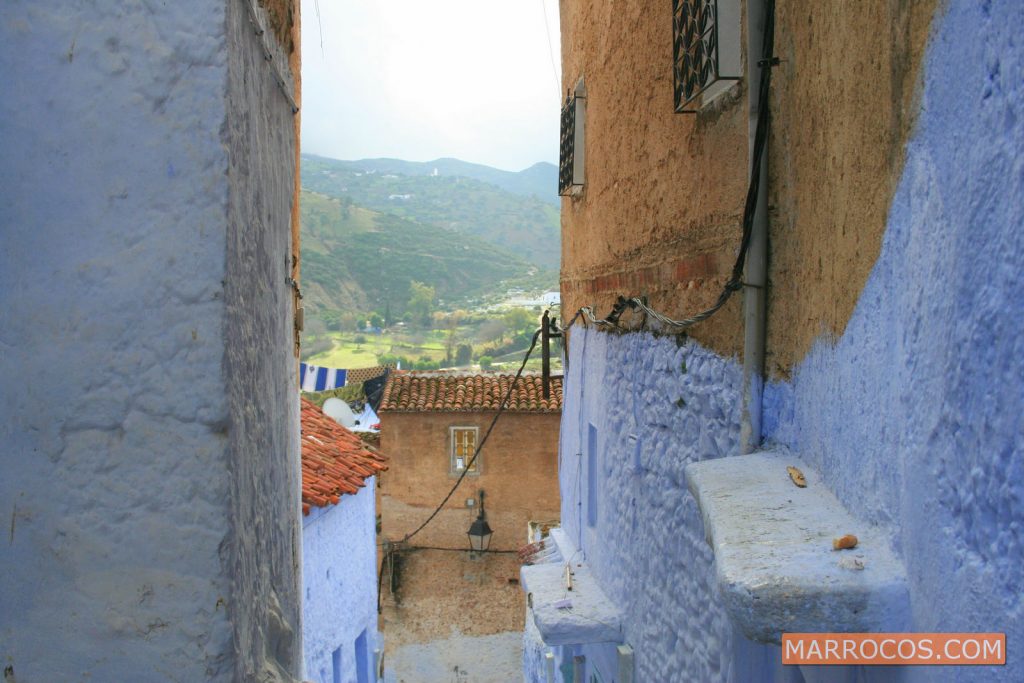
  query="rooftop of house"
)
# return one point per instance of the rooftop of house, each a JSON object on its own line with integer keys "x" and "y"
{"x": 410, "y": 392}
{"x": 334, "y": 460}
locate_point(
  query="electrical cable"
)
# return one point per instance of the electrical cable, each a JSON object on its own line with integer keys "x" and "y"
{"x": 456, "y": 550}
{"x": 380, "y": 581}
{"x": 735, "y": 281}
{"x": 551, "y": 50}
{"x": 268, "y": 55}
{"x": 469, "y": 465}
{"x": 320, "y": 25}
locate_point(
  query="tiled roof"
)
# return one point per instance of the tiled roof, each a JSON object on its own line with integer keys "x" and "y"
{"x": 421, "y": 392}
{"x": 334, "y": 460}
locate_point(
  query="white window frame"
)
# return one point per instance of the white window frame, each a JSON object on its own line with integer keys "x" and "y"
{"x": 453, "y": 450}
{"x": 576, "y": 105}
{"x": 727, "y": 36}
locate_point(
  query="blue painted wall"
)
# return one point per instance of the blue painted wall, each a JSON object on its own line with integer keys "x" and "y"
{"x": 913, "y": 416}
{"x": 654, "y": 406}
{"x": 149, "y": 469}
{"x": 339, "y": 588}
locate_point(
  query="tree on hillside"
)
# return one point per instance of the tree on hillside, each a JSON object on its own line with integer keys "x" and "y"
{"x": 463, "y": 354}
{"x": 314, "y": 338}
{"x": 519, "y": 319}
{"x": 491, "y": 330}
{"x": 451, "y": 322}
{"x": 348, "y": 321}
{"x": 421, "y": 301}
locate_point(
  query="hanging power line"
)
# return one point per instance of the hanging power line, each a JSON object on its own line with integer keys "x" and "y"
{"x": 551, "y": 50}
{"x": 320, "y": 26}
{"x": 456, "y": 550}
{"x": 469, "y": 465}
{"x": 268, "y": 55}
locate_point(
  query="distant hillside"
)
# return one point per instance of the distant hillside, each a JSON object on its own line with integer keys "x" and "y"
{"x": 357, "y": 259}
{"x": 526, "y": 226}
{"x": 539, "y": 180}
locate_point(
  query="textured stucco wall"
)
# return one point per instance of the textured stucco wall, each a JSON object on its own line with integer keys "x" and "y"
{"x": 660, "y": 213}
{"x": 912, "y": 416}
{"x": 518, "y": 473}
{"x": 339, "y": 584}
{"x": 654, "y": 406}
{"x": 453, "y": 612}
{"x": 263, "y": 435}
{"x": 125, "y": 281}
{"x": 115, "y": 476}
{"x": 844, "y": 100}
{"x": 661, "y": 207}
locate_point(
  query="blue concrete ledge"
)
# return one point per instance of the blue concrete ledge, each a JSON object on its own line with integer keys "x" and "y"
{"x": 775, "y": 565}
{"x": 579, "y": 616}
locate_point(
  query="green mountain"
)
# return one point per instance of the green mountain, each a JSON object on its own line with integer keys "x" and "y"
{"x": 527, "y": 226}
{"x": 539, "y": 180}
{"x": 355, "y": 259}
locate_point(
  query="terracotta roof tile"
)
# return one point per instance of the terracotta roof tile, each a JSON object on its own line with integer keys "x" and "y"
{"x": 416, "y": 392}
{"x": 334, "y": 460}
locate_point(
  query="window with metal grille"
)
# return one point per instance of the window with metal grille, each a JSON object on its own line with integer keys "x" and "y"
{"x": 570, "y": 149}
{"x": 705, "y": 50}
{"x": 463, "y": 445}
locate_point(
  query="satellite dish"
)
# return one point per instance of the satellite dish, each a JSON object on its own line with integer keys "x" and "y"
{"x": 339, "y": 411}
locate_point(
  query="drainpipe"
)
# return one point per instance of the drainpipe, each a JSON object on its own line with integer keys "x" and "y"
{"x": 755, "y": 273}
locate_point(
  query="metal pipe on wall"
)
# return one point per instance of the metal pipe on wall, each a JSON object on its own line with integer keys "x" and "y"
{"x": 755, "y": 273}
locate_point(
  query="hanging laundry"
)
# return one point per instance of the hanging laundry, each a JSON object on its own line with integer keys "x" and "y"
{"x": 374, "y": 389}
{"x": 317, "y": 378}
{"x": 367, "y": 420}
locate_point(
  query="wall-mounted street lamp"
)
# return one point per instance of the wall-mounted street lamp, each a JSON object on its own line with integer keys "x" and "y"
{"x": 480, "y": 531}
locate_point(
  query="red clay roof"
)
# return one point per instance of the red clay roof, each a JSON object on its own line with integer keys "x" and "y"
{"x": 422, "y": 392}
{"x": 334, "y": 460}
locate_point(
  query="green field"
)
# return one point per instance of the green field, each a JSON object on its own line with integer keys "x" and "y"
{"x": 347, "y": 353}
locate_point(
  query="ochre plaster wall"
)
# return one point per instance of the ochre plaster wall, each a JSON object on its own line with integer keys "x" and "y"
{"x": 284, "y": 17}
{"x": 664, "y": 192}
{"x": 454, "y": 612}
{"x": 843, "y": 105}
{"x": 444, "y": 599}
{"x": 438, "y": 591}
{"x": 519, "y": 473}
{"x": 661, "y": 209}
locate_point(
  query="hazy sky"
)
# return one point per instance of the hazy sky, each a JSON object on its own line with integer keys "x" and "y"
{"x": 422, "y": 79}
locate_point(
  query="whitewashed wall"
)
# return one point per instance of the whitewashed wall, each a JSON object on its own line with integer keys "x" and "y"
{"x": 339, "y": 587}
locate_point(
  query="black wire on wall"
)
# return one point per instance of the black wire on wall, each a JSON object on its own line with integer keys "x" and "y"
{"x": 735, "y": 281}
{"x": 479, "y": 446}
{"x": 733, "y": 284}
